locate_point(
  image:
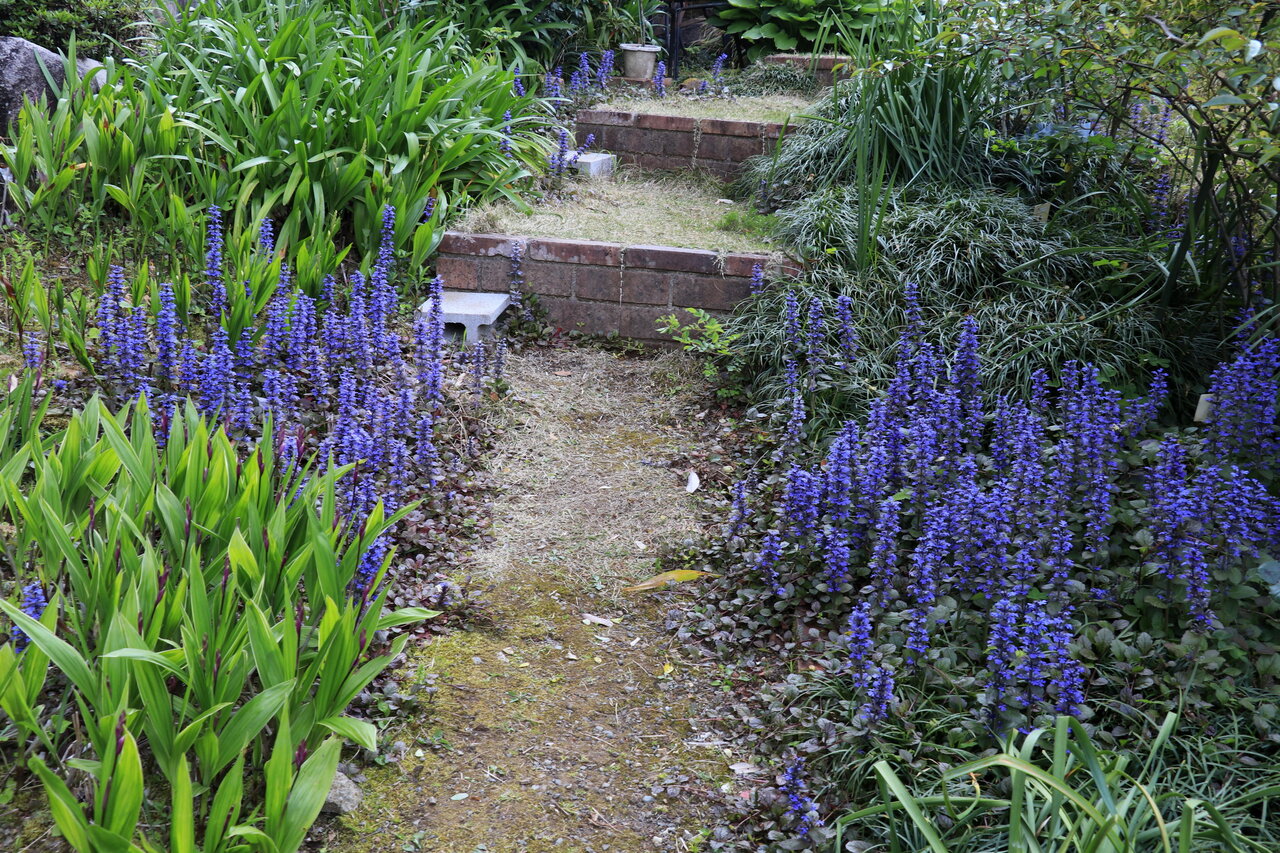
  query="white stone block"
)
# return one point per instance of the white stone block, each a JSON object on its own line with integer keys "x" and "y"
{"x": 596, "y": 164}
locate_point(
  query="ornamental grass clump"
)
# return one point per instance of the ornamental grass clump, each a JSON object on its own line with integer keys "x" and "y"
{"x": 954, "y": 550}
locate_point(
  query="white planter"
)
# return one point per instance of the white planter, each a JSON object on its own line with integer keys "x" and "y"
{"x": 639, "y": 60}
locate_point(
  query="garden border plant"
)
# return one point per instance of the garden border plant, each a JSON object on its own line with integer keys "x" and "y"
{"x": 949, "y": 569}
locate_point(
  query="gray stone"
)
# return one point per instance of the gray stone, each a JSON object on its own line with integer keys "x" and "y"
{"x": 344, "y": 796}
{"x": 22, "y": 77}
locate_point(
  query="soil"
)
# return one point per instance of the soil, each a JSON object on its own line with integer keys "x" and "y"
{"x": 569, "y": 721}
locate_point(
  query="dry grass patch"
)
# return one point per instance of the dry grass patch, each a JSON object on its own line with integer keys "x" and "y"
{"x": 763, "y": 108}
{"x": 636, "y": 208}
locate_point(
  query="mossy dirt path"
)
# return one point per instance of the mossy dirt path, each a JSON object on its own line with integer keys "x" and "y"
{"x": 568, "y": 721}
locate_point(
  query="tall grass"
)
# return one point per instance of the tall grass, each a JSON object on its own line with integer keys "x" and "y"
{"x": 1052, "y": 790}
{"x": 920, "y": 109}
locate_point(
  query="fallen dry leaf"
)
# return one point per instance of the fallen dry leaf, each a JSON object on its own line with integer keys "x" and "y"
{"x": 664, "y": 579}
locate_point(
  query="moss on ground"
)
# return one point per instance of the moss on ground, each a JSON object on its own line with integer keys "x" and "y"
{"x": 519, "y": 728}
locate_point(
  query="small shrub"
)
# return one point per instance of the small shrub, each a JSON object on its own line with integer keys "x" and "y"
{"x": 99, "y": 27}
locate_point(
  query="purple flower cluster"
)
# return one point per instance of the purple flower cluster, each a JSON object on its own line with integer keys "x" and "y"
{"x": 605, "y": 72}
{"x": 717, "y": 70}
{"x": 847, "y": 330}
{"x": 800, "y": 805}
{"x": 33, "y": 605}
{"x": 335, "y": 369}
{"x": 580, "y": 82}
{"x": 1245, "y": 391}
{"x": 563, "y": 158}
{"x": 717, "y": 76}
{"x": 504, "y": 144}
{"x": 1009, "y": 504}
{"x": 660, "y": 80}
{"x": 33, "y": 352}
{"x": 1029, "y": 659}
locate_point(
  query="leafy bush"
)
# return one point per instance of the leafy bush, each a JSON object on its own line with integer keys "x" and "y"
{"x": 98, "y": 26}
{"x": 538, "y": 34}
{"x": 1194, "y": 84}
{"x": 953, "y": 568}
{"x": 518, "y": 32}
{"x": 772, "y": 26}
{"x": 361, "y": 115}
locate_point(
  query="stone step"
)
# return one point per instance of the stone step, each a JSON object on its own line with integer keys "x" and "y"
{"x": 664, "y": 142}
{"x": 603, "y": 288}
{"x": 475, "y": 312}
{"x": 597, "y": 165}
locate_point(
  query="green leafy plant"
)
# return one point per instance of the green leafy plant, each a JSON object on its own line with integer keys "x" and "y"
{"x": 270, "y": 109}
{"x": 772, "y": 26}
{"x": 705, "y": 334}
{"x": 1195, "y": 83}
{"x": 99, "y": 27}
{"x": 517, "y": 32}
{"x": 207, "y": 611}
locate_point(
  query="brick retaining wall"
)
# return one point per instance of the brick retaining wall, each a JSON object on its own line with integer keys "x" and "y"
{"x": 600, "y": 288}
{"x": 678, "y": 142}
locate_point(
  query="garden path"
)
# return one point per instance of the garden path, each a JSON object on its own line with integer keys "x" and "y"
{"x": 568, "y": 722}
